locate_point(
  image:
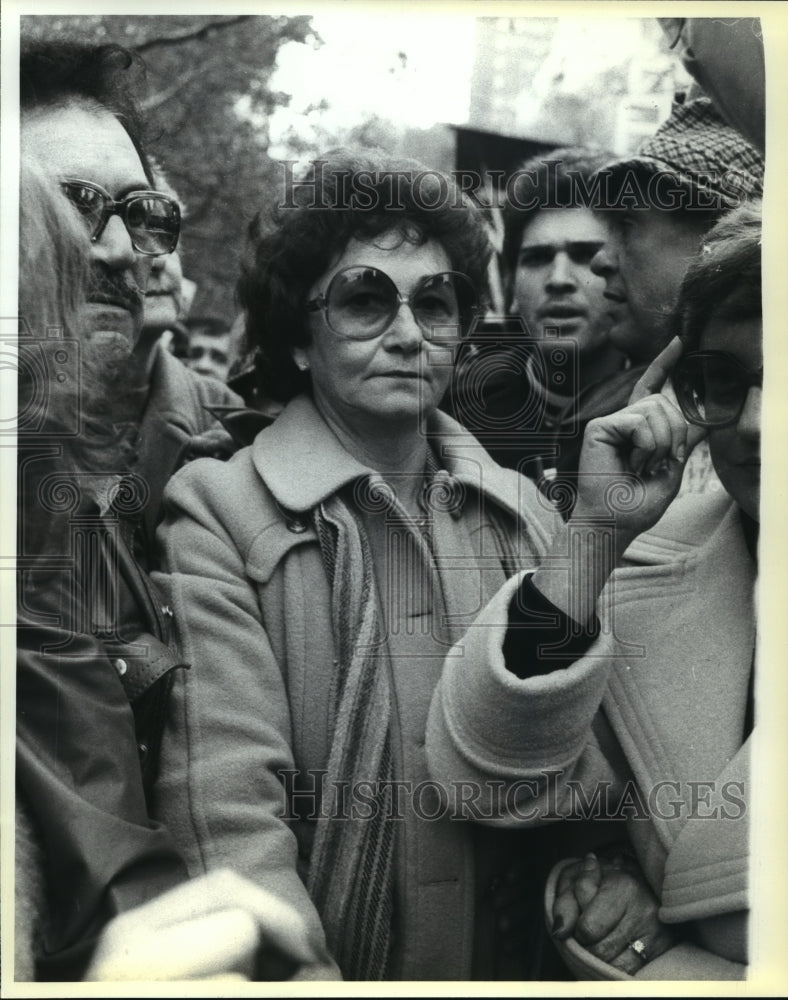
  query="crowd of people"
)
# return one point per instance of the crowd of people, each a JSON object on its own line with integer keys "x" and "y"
{"x": 429, "y": 652}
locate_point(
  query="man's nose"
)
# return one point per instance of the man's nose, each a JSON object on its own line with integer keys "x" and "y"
{"x": 561, "y": 276}
{"x": 113, "y": 248}
{"x": 604, "y": 261}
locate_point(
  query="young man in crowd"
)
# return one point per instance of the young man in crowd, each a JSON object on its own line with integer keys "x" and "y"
{"x": 518, "y": 392}
{"x": 529, "y": 395}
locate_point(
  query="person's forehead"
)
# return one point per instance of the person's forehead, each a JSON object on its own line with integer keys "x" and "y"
{"x": 740, "y": 337}
{"x": 556, "y": 227}
{"x": 83, "y": 141}
{"x": 205, "y": 336}
{"x": 398, "y": 257}
{"x": 662, "y": 225}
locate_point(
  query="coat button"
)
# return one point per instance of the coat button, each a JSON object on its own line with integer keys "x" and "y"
{"x": 142, "y": 749}
{"x": 296, "y": 525}
{"x": 120, "y": 665}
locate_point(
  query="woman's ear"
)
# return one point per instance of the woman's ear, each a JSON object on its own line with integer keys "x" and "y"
{"x": 300, "y": 359}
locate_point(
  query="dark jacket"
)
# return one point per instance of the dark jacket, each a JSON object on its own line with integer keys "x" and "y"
{"x": 95, "y": 668}
{"x": 94, "y": 671}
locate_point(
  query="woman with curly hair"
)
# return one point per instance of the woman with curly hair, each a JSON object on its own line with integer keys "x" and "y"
{"x": 319, "y": 579}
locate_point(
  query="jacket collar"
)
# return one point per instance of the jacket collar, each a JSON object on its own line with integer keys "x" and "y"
{"x": 302, "y": 462}
{"x": 170, "y": 393}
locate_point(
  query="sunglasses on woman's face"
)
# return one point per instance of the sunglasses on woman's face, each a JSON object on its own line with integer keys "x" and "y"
{"x": 360, "y": 303}
{"x": 712, "y": 387}
{"x": 152, "y": 220}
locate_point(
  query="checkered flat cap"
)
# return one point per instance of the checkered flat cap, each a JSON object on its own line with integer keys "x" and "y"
{"x": 700, "y": 148}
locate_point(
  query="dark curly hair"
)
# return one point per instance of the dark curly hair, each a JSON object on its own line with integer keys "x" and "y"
{"x": 53, "y": 73}
{"x": 346, "y": 195}
{"x": 549, "y": 180}
{"x": 724, "y": 280}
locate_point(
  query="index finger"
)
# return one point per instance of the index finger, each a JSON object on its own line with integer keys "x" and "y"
{"x": 655, "y": 376}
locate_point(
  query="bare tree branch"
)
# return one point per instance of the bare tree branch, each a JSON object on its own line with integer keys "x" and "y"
{"x": 190, "y": 34}
{"x": 162, "y": 96}
{"x": 156, "y": 100}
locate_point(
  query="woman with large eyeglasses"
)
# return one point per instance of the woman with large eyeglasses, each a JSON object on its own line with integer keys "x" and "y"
{"x": 650, "y": 724}
{"x": 319, "y": 579}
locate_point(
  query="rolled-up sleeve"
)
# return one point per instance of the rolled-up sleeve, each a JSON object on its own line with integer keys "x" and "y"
{"x": 489, "y": 726}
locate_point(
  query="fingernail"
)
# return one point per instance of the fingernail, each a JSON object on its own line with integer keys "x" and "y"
{"x": 681, "y": 453}
{"x": 558, "y": 925}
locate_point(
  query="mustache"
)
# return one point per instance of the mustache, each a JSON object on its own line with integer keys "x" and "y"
{"x": 112, "y": 287}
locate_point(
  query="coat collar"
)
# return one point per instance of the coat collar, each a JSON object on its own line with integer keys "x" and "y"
{"x": 302, "y": 462}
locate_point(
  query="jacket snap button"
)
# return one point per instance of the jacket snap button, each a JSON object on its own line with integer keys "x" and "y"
{"x": 120, "y": 665}
{"x": 296, "y": 526}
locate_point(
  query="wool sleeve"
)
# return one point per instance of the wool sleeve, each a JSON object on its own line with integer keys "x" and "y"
{"x": 230, "y": 731}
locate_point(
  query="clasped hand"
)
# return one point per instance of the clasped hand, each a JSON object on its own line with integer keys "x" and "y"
{"x": 608, "y": 908}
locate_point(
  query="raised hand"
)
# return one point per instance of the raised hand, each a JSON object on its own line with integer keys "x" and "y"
{"x": 648, "y": 438}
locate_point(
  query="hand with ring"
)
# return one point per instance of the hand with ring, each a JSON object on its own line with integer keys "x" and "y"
{"x": 606, "y": 905}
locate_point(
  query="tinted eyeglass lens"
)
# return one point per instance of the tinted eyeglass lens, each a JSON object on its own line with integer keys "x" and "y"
{"x": 711, "y": 389}
{"x": 88, "y": 202}
{"x": 435, "y": 302}
{"x": 362, "y": 301}
{"x": 153, "y": 224}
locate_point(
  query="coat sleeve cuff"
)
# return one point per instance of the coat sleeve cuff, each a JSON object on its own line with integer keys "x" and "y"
{"x": 486, "y": 721}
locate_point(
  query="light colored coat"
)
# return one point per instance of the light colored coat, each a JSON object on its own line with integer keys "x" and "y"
{"x": 252, "y": 613}
{"x": 671, "y": 675}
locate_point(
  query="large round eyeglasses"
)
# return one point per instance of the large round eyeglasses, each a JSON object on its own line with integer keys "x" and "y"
{"x": 712, "y": 387}
{"x": 361, "y": 302}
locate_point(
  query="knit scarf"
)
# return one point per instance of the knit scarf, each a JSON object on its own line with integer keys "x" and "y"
{"x": 351, "y": 876}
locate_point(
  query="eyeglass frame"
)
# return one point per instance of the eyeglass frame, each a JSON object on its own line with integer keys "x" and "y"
{"x": 111, "y": 207}
{"x": 753, "y": 379}
{"x": 320, "y": 302}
